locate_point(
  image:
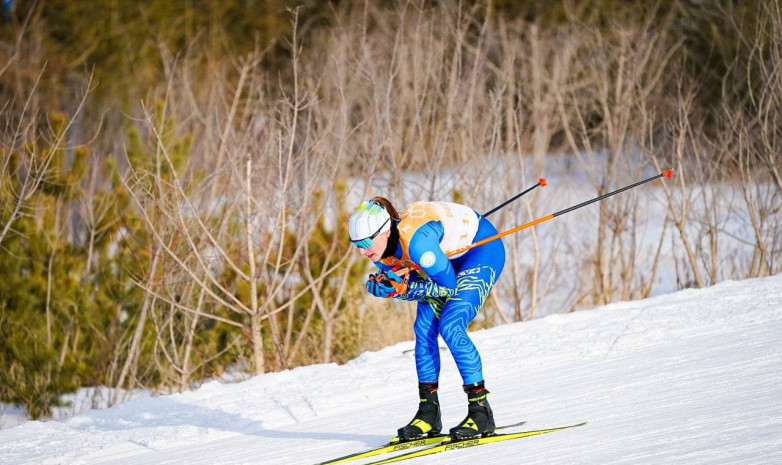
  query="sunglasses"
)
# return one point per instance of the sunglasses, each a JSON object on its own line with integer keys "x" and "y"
{"x": 367, "y": 242}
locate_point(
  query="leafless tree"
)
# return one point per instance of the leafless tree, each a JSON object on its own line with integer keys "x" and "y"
{"x": 624, "y": 65}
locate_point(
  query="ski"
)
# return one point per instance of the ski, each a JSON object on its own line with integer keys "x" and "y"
{"x": 447, "y": 444}
{"x": 396, "y": 445}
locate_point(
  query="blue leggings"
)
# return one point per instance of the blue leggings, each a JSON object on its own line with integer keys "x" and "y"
{"x": 476, "y": 272}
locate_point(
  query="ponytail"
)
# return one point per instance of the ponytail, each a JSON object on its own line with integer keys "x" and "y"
{"x": 388, "y": 207}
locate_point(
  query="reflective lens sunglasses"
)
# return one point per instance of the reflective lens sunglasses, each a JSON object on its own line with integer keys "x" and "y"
{"x": 367, "y": 242}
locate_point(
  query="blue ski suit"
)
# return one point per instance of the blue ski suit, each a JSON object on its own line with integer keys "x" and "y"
{"x": 449, "y": 291}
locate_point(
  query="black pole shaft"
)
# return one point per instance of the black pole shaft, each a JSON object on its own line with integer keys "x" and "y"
{"x": 451, "y": 253}
{"x": 597, "y": 199}
{"x": 510, "y": 200}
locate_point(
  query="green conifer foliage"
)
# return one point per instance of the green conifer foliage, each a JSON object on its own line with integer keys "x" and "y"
{"x": 41, "y": 296}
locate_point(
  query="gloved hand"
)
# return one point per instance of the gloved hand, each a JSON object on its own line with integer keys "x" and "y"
{"x": 387, "y": 284}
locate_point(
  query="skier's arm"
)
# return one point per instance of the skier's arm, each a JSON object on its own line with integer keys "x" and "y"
{"x": 419, "y": 288}
{"x": 424, "y": 249}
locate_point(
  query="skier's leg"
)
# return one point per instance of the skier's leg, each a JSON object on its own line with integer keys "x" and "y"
{"x": 427, "y": 361}
{"x": 477, "y": 273}
{"x": 427, "y": 351}
{"x": 456, "y": 315}
{"x": 473, "y": 285}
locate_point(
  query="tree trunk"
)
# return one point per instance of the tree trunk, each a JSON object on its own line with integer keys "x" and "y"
{"x": 259, "y": 366}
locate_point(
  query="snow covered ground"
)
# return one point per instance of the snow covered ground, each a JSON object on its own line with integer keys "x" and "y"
{"x": 693, "y": 377}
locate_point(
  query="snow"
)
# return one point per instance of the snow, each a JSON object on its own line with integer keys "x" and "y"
{"x": 691, "y": 377}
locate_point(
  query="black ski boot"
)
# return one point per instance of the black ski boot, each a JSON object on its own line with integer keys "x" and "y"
{"x": 480, "y": 419}
{"x": 426, "y": 421}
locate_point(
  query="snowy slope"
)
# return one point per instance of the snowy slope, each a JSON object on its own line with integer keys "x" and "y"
{"x": 693, "y": 377}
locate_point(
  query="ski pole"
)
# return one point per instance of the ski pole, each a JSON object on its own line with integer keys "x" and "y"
{"x": 541, "y": 183}
{"x": 666, "y": 173}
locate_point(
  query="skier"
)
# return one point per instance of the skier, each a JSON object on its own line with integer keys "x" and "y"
{"x": 449, "y": 291}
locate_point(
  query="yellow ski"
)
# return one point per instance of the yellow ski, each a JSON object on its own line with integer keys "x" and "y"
{"x": 396, "y": 445}
{"x": 450, "y": 445}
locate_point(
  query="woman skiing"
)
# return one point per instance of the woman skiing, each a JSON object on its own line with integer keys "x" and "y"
{"x": 450, "y": 291}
